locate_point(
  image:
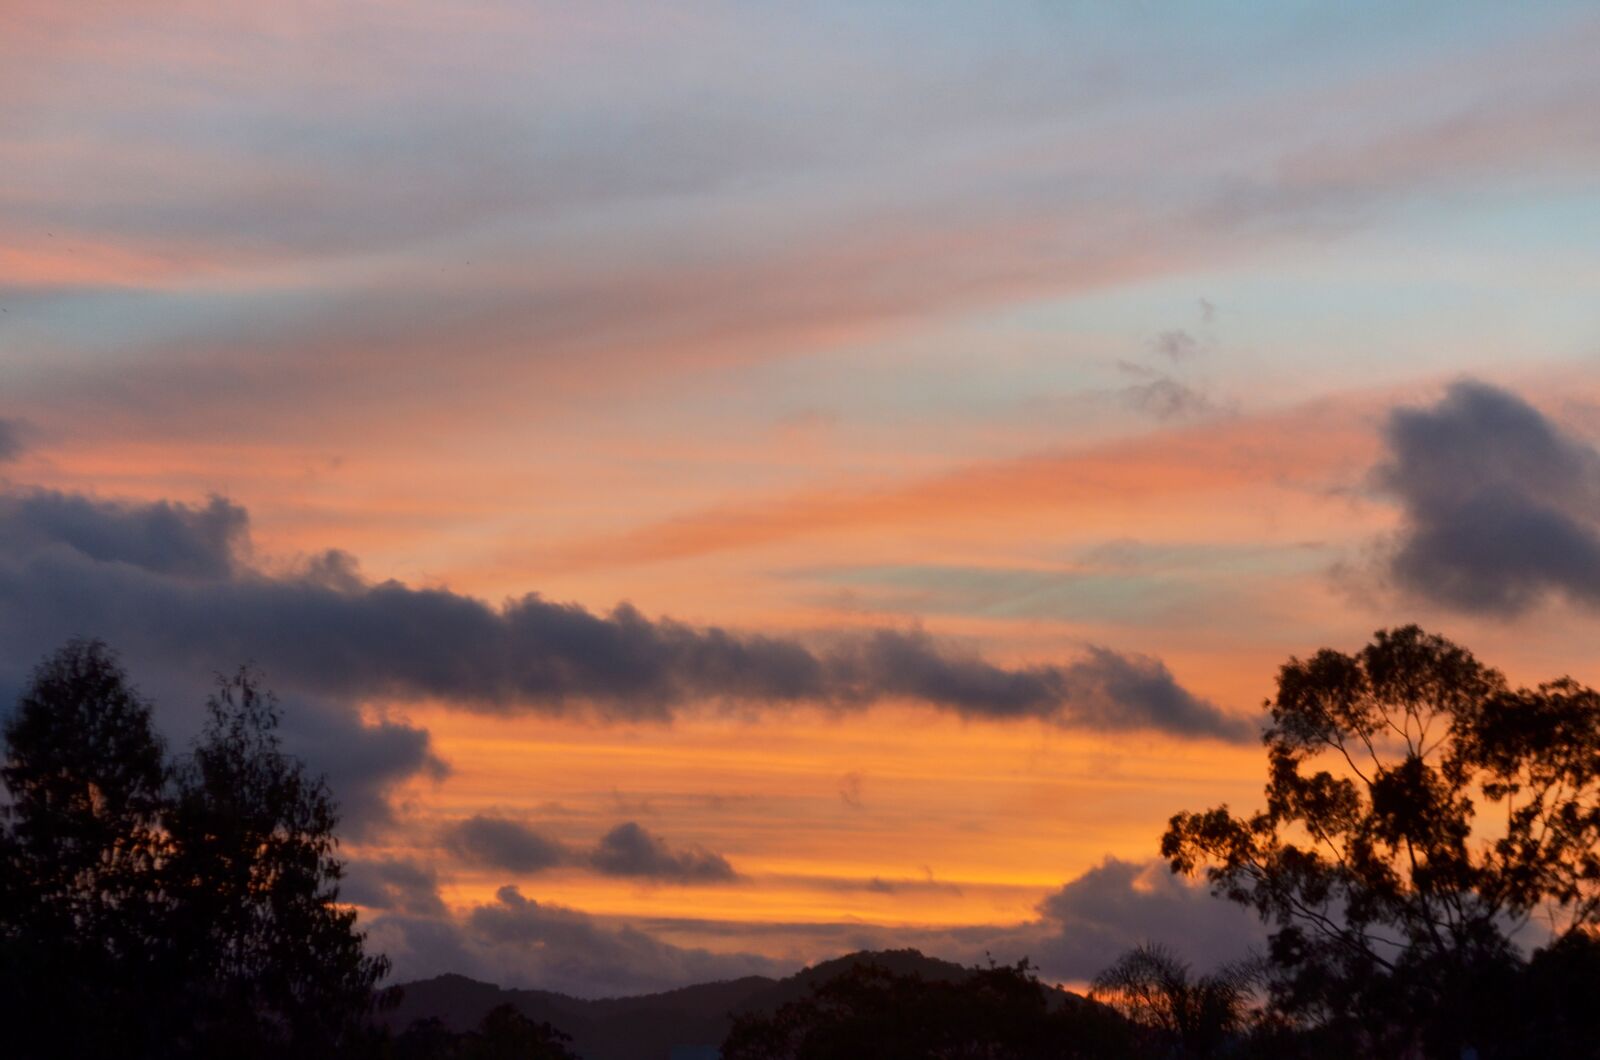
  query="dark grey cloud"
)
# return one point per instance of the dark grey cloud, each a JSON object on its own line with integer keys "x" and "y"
{"x": 628, "y": 850}
{"x": 393, "y": 885}
{"x": 171, "y": 585}
{"x": 76, "y": 566}
{"x": 362, "y": 760}
{"x": 1104, "y": 690}
{"x": 1501, "y": 506}
{"x": 505, "y": 844}
{"x": 161, "y": 538}
{"x": 1119, "y": 904}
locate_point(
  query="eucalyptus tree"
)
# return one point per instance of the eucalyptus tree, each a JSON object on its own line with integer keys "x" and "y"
{"x": 1420, "y": 812}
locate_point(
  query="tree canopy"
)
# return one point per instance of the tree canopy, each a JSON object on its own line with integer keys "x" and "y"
{"x": 1422, "y": 817}
{"x": 81, "y": 850}
{"x": 503, "y": 1034}
{"x": 253, "y": 878}
{"x": 153, "y": 907}
{"x": 1001, "y": 1012}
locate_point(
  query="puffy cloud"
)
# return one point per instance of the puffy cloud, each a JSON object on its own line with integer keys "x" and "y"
{"x": 171, "y": 584}
{"x": 393, "y": 884}
{"x": 160, "y": 538}
{"x": 146, "y": 578}
{"x": 1112, "y": 690}
{"x": 505, "y": 844}
{"x": 1120, "y": 904}
{"x": 1105, "y": 690}
{"x": 1085, "y": 925}
{"x": 624, "y": 851}
{"x": 362, "y": 760}
{"x": 628, "y": 850}
{"x": 1502, "y": 507}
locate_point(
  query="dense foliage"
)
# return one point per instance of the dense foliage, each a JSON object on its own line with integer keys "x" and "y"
{"x": 168, "y": 909}
{"x": 1421, "y": 814}
{"x": 504, "y": 1034}
{"x": 996, "y": 1013}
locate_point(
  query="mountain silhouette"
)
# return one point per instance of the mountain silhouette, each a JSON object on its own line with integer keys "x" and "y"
{"x": 676, "y": 1024}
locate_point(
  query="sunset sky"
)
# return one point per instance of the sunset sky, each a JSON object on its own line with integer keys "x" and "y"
{"x": 716, "y": 486}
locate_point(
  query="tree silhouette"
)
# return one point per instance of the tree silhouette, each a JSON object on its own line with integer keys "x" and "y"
{"x": 506, "y": 1034}
{"x": 151, "y": 911}
{"x": 79, "y": 912}
{"x": 1419, "y": 811}
{"x": 276, "y": 963}
{"x": 997, "y": 1013}
{"x": 1190, "y": 1016}
{"x": 503, "y": 1034}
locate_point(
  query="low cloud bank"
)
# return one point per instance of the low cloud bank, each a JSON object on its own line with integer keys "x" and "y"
{"x": 515, "y": 940}
{"x": 173, "y": 586}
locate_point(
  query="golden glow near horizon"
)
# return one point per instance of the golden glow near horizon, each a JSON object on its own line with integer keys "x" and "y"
{"x": 891, "y": 817}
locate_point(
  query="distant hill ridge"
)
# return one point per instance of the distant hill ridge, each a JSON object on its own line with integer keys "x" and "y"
{"x": 647, "y": 1026}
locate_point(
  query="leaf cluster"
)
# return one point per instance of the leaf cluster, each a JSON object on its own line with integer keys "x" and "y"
{"x": 1419, "y": 811}
{"x": 152, "y": 906}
